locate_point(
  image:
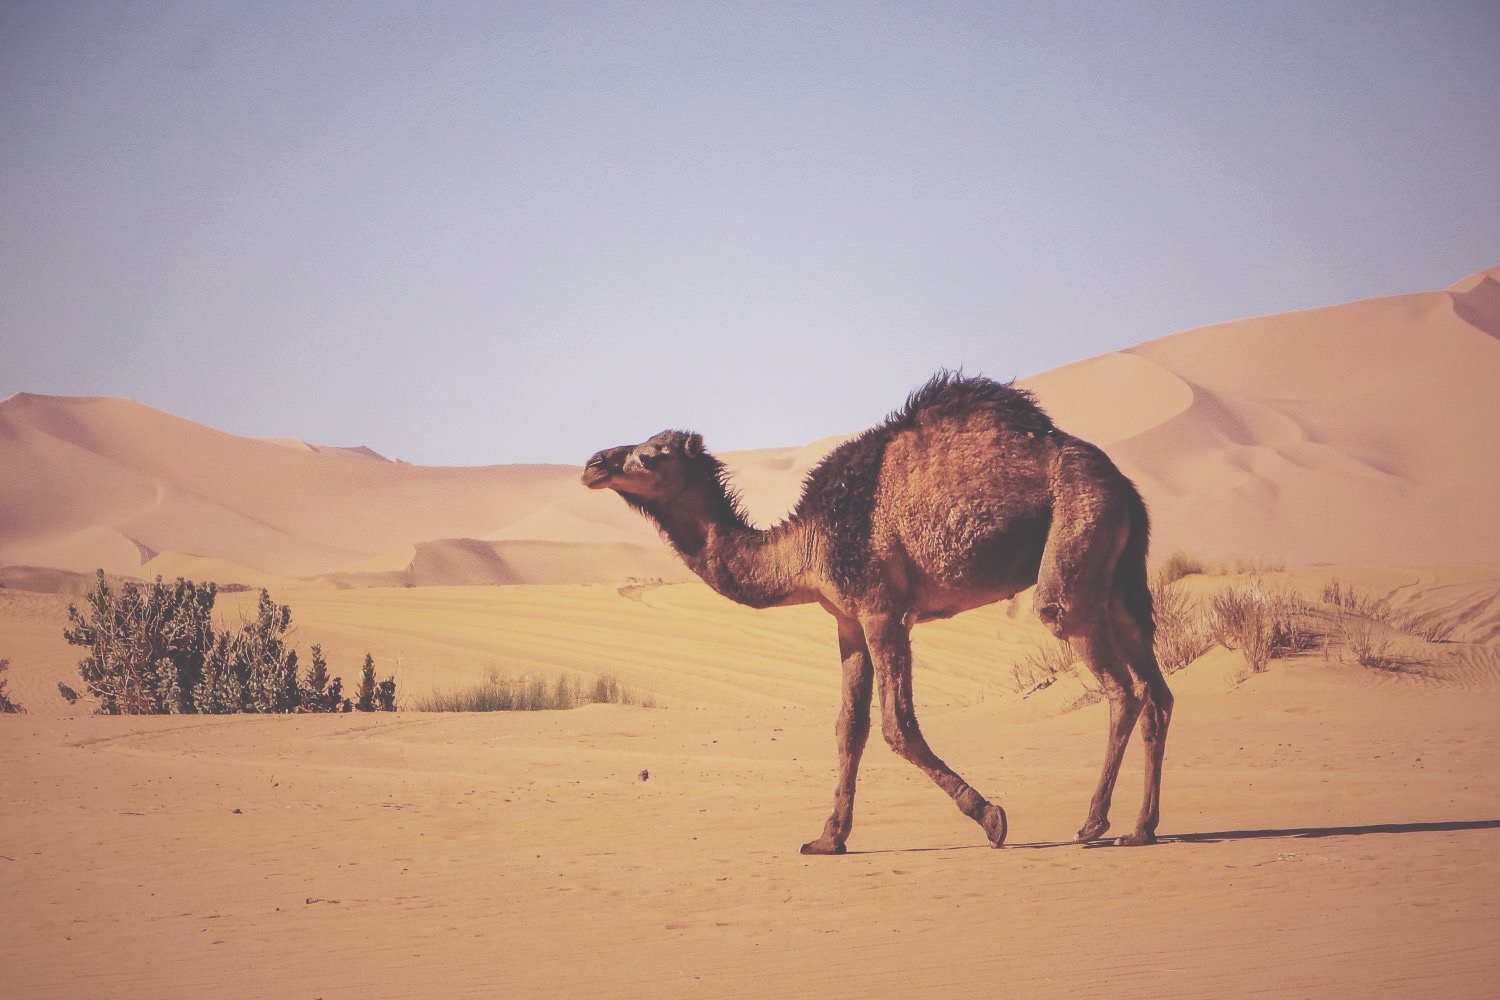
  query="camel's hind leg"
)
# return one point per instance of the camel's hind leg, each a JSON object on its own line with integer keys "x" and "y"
{"x": 1080, "y": 597}
{"x": 889, "y": 641}
{"x": 1138, "y": 641}
{"x": 1098, "y": 650}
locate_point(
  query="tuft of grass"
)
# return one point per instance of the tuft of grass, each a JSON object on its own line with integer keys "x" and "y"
{"x": 1183, "y": 632}
{"x": 1039, "y": 668}
{"x": 1245, "y": 566}
{"x": 529, "y": 693}
{"x": 1349, "y": 602}
{"x": 1261, "y": 621}
{"x": 1178, "y": 565}
{"x": 7, "y": 707}
{"x": 1365, "y": 624}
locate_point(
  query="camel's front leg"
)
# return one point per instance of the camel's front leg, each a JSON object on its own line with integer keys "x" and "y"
{"x": 890, "y": 646}
{"x": 852, "y": 731}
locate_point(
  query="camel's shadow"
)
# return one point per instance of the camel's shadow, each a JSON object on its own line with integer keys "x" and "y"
{"x": 1221, "y": 836}
{"x": 1314, "y": 832}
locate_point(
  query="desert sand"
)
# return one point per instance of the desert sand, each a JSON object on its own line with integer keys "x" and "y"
{"x": 1328, "y": 829}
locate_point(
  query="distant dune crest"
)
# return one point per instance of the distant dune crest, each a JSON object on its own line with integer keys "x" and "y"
{"x": 1361, "y": 433}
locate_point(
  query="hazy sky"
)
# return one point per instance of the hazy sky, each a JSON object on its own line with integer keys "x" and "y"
{"x": 507, "y": 232}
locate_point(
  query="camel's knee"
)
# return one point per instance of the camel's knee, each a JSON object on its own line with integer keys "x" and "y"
{"x": 1156, "y": 717}
{"x": 1054, "y": 616}
{"x": 1125, "y": 700}
{"x": 853, "y": 727}
{"x": 897, "y": 733}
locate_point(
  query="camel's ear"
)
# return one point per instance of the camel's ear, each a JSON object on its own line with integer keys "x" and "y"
{"x": 693, "y": 446}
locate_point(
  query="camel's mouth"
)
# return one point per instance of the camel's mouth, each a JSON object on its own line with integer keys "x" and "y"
{"x": 601, "y": 470}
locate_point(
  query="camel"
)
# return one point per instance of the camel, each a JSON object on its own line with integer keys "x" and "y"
{"x": 966, "y": 496}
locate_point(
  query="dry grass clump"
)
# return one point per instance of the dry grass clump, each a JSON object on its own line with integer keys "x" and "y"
{"x": 515, "y": 693}
{"x": 1183, "y": 632}
{"x": 1367, "y": 626}
{"x": 1038, "y": 669}
{"x": 1178, "y": 565}
{"x": 1261, "y": 621}
{"x": 7, "y": 707}
{"x": 1350, "y": 602}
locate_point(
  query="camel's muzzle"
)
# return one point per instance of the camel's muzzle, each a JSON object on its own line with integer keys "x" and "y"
{"x": 603, "y": 467}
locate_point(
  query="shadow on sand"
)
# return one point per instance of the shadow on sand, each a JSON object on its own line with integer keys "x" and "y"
{"x": 1219, "y": 837}
{"x": 1314, "y": 832}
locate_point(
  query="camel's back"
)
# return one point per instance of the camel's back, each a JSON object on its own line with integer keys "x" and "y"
{"x": 965, "y": 460}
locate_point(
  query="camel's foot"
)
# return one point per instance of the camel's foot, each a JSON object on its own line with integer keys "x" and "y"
{"x": 988, "y": 815}
{"x": 993, "y": 822}
{"x": 1139, "y": 838}
{"x": 1092, "y": 830}
{"x": 823, "y": 845}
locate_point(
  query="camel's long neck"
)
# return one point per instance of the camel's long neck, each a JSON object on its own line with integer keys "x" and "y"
{"x": 759, "y": 568}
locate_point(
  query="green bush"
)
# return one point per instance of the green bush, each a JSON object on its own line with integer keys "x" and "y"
{"x": 154, "y": 649}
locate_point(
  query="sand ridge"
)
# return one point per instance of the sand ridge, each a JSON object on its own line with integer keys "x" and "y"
{"x": 1301, "y": 437}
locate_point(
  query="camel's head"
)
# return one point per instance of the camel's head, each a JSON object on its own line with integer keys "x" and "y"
{"x": 656, "y": 467}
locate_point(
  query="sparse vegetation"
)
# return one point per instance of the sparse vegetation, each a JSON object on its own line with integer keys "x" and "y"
{"x": 1039, "y": 669}
{"x": 154, "y": 649}
{"x": 1183, "y": 633}
{"x": 7, "y": 707}
{"x": 1178, "y": 565}
{"x": 529, "y": 693}
{"x": 1366, "y": 626}
{"x": 1261, "y": 621}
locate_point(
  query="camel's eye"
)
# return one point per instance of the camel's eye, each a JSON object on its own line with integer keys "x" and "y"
{"x": 651, "y": 457}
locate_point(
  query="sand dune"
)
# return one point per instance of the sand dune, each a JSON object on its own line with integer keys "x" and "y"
{"x": 114, "y": 484}
{"x": 1361, "y": 433}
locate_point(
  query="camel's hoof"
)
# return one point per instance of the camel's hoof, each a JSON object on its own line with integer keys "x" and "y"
{"x": 1092, "y": 831}
{"x": 1138, "y": 839}
{"x": 994, "y": 825}
{"x": 823, "y": 847}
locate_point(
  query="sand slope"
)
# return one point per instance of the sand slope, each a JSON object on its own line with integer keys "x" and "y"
{"x": 112, "y": 483}
{"x": 1329, "y": 830}
{"x": 1361, "y": 433}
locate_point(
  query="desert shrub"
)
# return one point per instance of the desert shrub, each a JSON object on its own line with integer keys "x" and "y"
{"x": 1349, "y": 602}
{"x": 1246, "y": 565}
{"x": 372, "y": 695}
{"x": 1364, "y": 625}
{"x": 510, "y": 693}
{"x": 1177, "y": 566}
{"x": 1039, "y": 668}
{"x": 7, "y": 707}
{"x": 320, "y": 694}
{"x": 1183, "y": 632}
{"x": 154, "y": 648}
{"x": 1260, "y": 621}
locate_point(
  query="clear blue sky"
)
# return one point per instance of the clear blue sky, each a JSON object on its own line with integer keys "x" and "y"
{"x": 474, "y": 233}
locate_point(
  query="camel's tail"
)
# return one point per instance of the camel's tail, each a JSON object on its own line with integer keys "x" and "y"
{"x": 1131, "y": 573}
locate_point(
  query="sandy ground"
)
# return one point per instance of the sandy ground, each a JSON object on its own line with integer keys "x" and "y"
{"x": 1329, "y": 830}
